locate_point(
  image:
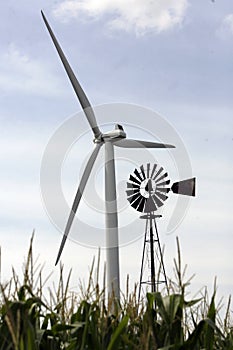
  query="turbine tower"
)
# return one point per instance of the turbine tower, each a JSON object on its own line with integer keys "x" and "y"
{"x": 116, "y": 137}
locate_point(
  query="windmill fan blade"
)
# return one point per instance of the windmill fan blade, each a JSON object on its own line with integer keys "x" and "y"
{"x": 78, "y": 196}
{"x": 127, "y": 143}
{"x": 143, "y": 172}
{"x": 141, "y": 205}
{"x": 153, "y": 170}
{"x": 158, "y": 173}
{"x": 135, "y": 196}
{"x": 77, "y": 87}
{"x": 163, "y": 183}
{"x": 134, "y": 180}
{"x": 131, "y": 192}
{"x": 161, "y": 177}
{"x": 161, "y": 195}
{"x": 185, "y": 187}
{"x": 163, "y": 189}
{"x": 130, "y": 185}
{"x": 136, "y": 172}
{"x": 148, "y": 170}
{"x": 157, "y": 200}
{"x": 137, "y": 202}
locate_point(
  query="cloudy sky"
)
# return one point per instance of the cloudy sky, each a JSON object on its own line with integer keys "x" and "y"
{"x": 172, "y": 57}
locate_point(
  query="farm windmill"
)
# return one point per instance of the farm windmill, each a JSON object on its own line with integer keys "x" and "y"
{"x": 147, "y": 190}
{"x": 116, "y": 137}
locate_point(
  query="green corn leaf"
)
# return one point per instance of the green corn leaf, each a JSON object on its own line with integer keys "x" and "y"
{"x": 115, "y": 340}
{"x": 57, "y": 328}
{"x": 210, "y": 326}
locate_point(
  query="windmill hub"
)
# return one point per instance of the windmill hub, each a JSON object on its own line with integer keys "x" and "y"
{"x": 148, "y": 188}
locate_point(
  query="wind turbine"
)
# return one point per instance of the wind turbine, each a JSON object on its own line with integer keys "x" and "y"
{"x": 116, "y": 137}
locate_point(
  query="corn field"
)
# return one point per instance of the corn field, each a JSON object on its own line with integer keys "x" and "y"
{"x": 88, "y": 320}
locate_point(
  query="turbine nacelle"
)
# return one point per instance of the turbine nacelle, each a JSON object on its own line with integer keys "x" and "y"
{"x": 117, "y": 133}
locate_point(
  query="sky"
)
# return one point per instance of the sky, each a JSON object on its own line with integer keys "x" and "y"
{"x": 174, "y": 58}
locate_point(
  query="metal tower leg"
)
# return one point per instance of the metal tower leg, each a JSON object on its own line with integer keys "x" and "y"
{"x": 143, "y": 258}
{"x": 161, "y": 255}
{"x": 152, "y": 256}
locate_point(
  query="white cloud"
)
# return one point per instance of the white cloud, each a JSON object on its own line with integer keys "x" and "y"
{"x": 21, "y": 73}
{"x": 228, "y": 22}
{"x": 225, "y": 30}
{"x": 140, "y": 16}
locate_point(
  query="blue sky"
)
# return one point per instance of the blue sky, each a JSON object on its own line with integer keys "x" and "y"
{"x": 175, "y": 59}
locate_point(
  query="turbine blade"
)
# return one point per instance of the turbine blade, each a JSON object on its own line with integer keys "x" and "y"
{"x": 77, "y": 87}
{"x": 78, "y": 196}
{"x": 127, "y": 143}
{"x": 185, "y": 187}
